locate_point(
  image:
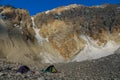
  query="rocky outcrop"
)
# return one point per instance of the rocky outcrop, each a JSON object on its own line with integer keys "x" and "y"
{"x": 66, "y": 33}
{"x": 64, "y": 27}
{"x": 16, "y": 32}
{"x": 18, "y": 18}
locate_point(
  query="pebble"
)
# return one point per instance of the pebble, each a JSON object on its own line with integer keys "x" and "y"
{"x": 87, "y": 70}
{"x": 1, "y": 74}
{"x": 41, "y": 78}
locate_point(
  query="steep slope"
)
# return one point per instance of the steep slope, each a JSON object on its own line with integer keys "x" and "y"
{"x": 90, "y": 31}
{"x": 20, "y": 43}
{"x": 106, "y": 68}
{"x": 16, "y": 29}
{"x": 68, "y": 33}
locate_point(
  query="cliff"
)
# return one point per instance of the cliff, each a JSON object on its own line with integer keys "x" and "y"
{"x": 67, "y": 33}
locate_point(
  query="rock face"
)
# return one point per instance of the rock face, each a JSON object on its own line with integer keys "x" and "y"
{"x": 68, "y": 33}
{"x": 16, "y": 32}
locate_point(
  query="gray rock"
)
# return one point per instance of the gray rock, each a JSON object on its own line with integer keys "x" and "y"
{"x": 1, "y": 74}
{"x": 41, "y": 78}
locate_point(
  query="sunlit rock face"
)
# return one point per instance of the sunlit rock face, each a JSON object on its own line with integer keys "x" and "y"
{"x": 68, "y": 33}
{"x": 70, "y": 29}
{"x": 17, "y": 18}
{"x": 16, "y": 34}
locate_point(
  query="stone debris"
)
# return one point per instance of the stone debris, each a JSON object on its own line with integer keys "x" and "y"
{"x": 106, "y": 68}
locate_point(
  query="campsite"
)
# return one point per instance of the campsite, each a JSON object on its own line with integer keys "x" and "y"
{"x": 59, "y": 39}
{"x": 94, "y": 69}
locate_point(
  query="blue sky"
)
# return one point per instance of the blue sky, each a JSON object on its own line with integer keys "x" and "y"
{"x": 35, "y": 6}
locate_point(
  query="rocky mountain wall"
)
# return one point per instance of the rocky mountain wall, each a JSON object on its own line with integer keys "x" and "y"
{"x": 68, "y": 33}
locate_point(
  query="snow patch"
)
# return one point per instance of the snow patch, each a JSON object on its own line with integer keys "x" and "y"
{"x": 47, "y": 12}
{"x": 93, "y": 51}
{"x": 16, "y": 25}
{"x": 98, "y": 6}
{"x": 19, "y": 27}
{"x": 71, "y": 6}
{"x": 39, "y": 38}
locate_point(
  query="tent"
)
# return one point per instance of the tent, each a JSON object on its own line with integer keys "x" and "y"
{"x": 23, "y": 69}
{"x": 51, "y": 69}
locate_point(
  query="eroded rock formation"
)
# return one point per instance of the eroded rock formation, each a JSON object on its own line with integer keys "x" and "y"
{"x": 68, "y": 33}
